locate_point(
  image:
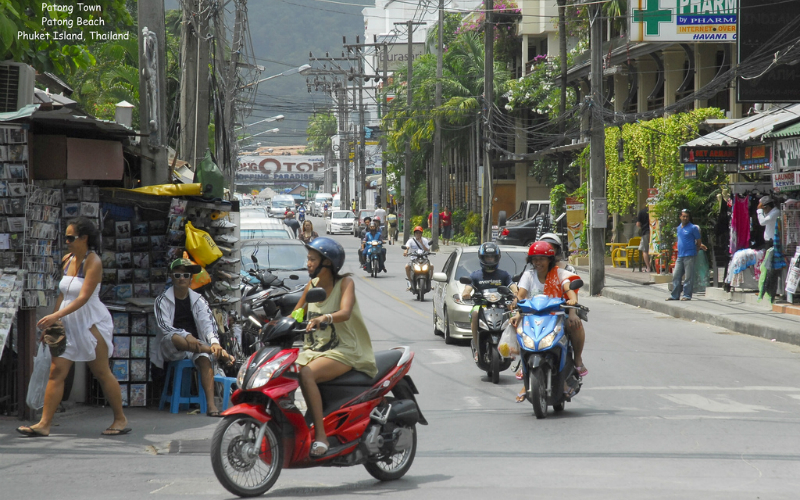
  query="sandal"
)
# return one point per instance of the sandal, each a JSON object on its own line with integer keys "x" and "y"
{"x": 522, "y": 396}
{"x": 318, "y": 449}
{"x": 582, "y": 371}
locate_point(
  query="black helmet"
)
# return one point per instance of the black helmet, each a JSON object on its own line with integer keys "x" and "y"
{"x": 489, "y": 256}
{"x": 329, "y": 249}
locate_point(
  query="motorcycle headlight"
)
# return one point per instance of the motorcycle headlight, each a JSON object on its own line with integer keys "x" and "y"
{"x": 240, "y": 375}
{"x": 547, "y": 341}
{"x": 267, "y": 371}
{"x": 528, "y": 342}
{"x": 493, "y": 297}
{"x": 482, "y": 324}
{"x": 417, "y": 267}
{"x": 424, "y": 268}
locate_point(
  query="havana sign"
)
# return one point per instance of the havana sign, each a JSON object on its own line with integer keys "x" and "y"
{"x": 683, "y": 20}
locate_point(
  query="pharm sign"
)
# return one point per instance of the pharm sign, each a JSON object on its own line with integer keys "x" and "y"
{"x": 683, "y": 20}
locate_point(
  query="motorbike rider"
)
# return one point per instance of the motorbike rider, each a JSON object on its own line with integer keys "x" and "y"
{"x": 344, "y": 345}
{"x": 301, "y": 213}
{"x": 416, "y": 242}
{"x": 555, "y": 242}
{"x": 373, "y": 235}
{"x": 547, "y": 278}
{"x": 488, "y": 276}
{"x": 362, "y": 234}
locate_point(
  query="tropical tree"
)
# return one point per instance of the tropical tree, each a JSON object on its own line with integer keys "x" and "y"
{"x": 321, "y": 128}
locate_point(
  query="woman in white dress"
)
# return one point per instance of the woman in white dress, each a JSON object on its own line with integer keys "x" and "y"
{"x": 88, "y": 326}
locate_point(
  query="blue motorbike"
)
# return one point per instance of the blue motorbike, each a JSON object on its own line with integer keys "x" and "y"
{"x": 373, "y": 251}
{"x": 301, "y": 214}
{"x": 546, "y": 351}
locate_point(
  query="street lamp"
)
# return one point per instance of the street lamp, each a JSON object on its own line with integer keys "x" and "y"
{"x": 271, "y": 119}
{"x": 270, "y": 131}
{"x": 302, "y": 70}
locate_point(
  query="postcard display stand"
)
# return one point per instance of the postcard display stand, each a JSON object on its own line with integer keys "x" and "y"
{"x": 13, "y": 178}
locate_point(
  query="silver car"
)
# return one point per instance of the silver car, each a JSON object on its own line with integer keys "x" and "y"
{"x": 451, "y": 319}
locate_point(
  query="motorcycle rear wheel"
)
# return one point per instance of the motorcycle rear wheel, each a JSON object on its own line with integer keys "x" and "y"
{"x": 538, "y": 390}
{"x": 398, "y": 465}
{"x": 237, "y": 470}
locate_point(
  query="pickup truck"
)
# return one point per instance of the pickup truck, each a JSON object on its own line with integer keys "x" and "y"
{"x": 527, "y": 210}
{"x": 524, "y": 231}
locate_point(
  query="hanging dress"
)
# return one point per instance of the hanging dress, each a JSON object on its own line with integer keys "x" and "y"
{"x": 81, "y": 343}
{"x": 346, "y": 342}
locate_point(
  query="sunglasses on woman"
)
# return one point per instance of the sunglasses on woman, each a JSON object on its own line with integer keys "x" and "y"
{"x": 70, "y": 239}
{"x": 178, "y": 276}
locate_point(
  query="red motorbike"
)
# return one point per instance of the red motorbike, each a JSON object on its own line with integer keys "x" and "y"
{"x": 266, "y": 431}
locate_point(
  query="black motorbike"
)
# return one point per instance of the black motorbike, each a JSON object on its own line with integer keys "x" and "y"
{"x": 493, "y": 318}
{"x": 420, "y": 272}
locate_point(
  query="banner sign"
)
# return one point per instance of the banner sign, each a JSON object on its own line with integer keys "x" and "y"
{"x": 683, "y": 20}
{"x": 576, "y": 213}
{"x": 262, "y": 169}
{"x": 398, "y": 55}
{"x": 787, "y": 181}
{"x": 787, "y": 154}
{"x": 755, "y": 158}
{"x": 709, "y": 154}
{"x": 690, "y": 170}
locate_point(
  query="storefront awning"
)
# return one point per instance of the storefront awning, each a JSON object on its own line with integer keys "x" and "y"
{"x": 752, "y": 128}
{"x": 790, "y": 131}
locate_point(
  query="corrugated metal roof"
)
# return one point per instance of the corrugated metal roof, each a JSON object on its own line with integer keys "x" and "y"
{"x": 750, "y": 128}
{"x": 791, "y": 130}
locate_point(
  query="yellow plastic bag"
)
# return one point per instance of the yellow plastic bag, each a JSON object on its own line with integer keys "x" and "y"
{"x": 171, "y": 189}
{"x": 201, "y": 279}
{"x": 201, "y": 246}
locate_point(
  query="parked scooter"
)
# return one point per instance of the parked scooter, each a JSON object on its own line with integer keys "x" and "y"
{"x": 547, "y": 358}
{"x": 266, "y": 431}
{"x": 420, "y": 273}
{"x": 373, "y": 251}
{"x": 493, "y": 317}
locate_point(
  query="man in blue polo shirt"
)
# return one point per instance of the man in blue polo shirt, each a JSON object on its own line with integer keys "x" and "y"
{"x": 688, "y": 242}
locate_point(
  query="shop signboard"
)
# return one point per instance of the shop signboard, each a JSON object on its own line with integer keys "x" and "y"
{"x": 398, "y": 55}
{"x": 786, "y": 181}
{"x": 690, "y": 170}
{"x": 709, "y": 154}
{"x": 787, "y": 154}
{"x": 683, "y": 20}
{"x": 576, "y": 213}
{"x": 652, "y": 192}
{"x": 756, "y": 158}
{"x": 263, "y": 169}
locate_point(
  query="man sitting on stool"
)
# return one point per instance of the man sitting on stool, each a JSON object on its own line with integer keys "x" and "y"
{"x": 187, "y": 330}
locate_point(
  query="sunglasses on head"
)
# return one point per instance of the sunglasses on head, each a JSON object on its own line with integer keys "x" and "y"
{"x": 178, "y": 276}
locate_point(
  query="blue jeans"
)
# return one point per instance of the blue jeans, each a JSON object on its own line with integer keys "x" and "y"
{"x": 683, "y": 266}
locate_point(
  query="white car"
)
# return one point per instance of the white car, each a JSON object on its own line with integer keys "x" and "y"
{"x": 340, "y": 221}
{"x": 264, "y": 228}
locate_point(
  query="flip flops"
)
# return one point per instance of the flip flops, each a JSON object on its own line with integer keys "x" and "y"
{"x": 522, "y": 396}
{"x": 213, "y": 414}
{"x": 30, "y": 432}
{"x": 116, "y": 432}
{"x": 318, "y": 449}
{"x": 582, "y": 371}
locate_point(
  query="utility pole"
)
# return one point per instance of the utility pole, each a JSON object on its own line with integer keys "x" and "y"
{"x": 361, "y": 134}
{"x": 227, "y": 149}
{"x": 194, "y": 82}
{"x": 438, "y": 168}
{"x": 384, "y": 80}
{"x": 488, "y": 100}
{"x": 562, "y": 55}
{"x": 152, "y": 97}
{"x": 598, "y": 216}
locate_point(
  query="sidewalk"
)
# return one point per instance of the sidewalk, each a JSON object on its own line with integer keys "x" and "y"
{"x": 759, "y": 319}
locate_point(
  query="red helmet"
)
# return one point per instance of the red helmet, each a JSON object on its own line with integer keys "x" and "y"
{"x": 542, "y": 248}
{"x": 418, "y": 228}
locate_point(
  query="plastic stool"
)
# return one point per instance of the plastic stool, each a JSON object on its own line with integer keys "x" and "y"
{"x": 227, "y": 389}
{"x": 182, "y": 387}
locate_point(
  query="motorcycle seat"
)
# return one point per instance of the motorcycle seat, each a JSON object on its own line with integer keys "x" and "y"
{"x": 385, "y": 360}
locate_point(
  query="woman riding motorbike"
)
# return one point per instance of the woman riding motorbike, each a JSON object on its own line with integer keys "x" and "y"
{"x": 343, "y": 345}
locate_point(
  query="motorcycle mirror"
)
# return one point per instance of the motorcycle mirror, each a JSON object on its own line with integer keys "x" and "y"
{"x": 404, "y": 247}
{"x": 316, "y": 295}
{"x": 246, "y": 309}
{"x": 253, "y": 258}
{"x": 516, "y": 278}
{"x": 576, "y": 284}
{"x": 294, "y": 277}
{"x": 464, "y": 280}
{"x": 504, "y": 290}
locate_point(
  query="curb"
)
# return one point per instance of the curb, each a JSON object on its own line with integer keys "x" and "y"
{"x": 752, "y": 327}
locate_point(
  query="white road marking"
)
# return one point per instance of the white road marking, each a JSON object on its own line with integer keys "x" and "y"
{"x": 695, "y": 388}
{"x": 719, "y": 405}
{"x": 447, "y": 356}
{"x": 472, "y": 402}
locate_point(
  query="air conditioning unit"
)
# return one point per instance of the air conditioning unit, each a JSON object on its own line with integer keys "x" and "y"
{"x": 16, "y": 85}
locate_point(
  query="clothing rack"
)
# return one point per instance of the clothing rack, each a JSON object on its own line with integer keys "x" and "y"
{"x": 747, "y": 188}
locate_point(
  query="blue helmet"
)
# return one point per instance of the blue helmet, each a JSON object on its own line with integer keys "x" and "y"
{"x": 329, "y": 249}
{"x": 489, "y": 256}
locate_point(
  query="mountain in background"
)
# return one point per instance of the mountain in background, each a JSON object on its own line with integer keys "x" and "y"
{"x": 283, "y": 32}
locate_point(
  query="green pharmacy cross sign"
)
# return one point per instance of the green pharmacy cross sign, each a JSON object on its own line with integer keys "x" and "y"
{"x": 652, "y": 15}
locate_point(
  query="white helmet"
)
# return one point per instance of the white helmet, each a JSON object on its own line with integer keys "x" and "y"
{"x": 554, "y": 240}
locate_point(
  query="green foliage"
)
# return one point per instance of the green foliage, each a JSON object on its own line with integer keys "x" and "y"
{"x": 321, "y": 127}
{"x": 416, "y": 220}
{"x": 459, "y": 217}
{"x": 60, "y": 57}
{"x": 558, "y": 197}
{"x": 472, "y": 225}
{"x": 468, "y": 239}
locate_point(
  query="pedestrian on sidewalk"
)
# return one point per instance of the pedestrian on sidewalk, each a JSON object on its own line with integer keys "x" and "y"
{"x": 447, "y": 224}
{"x": 688, "y": 242}
{"x": 768, "y": 213}
{"x": 643, "y": 223}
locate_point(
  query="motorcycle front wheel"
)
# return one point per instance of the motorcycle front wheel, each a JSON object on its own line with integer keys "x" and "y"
{"x": 394, "y": 466}
{"x": 536, "y": 385}
{"x": 495, "y": 365}
{"x": 242, "y": 466}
